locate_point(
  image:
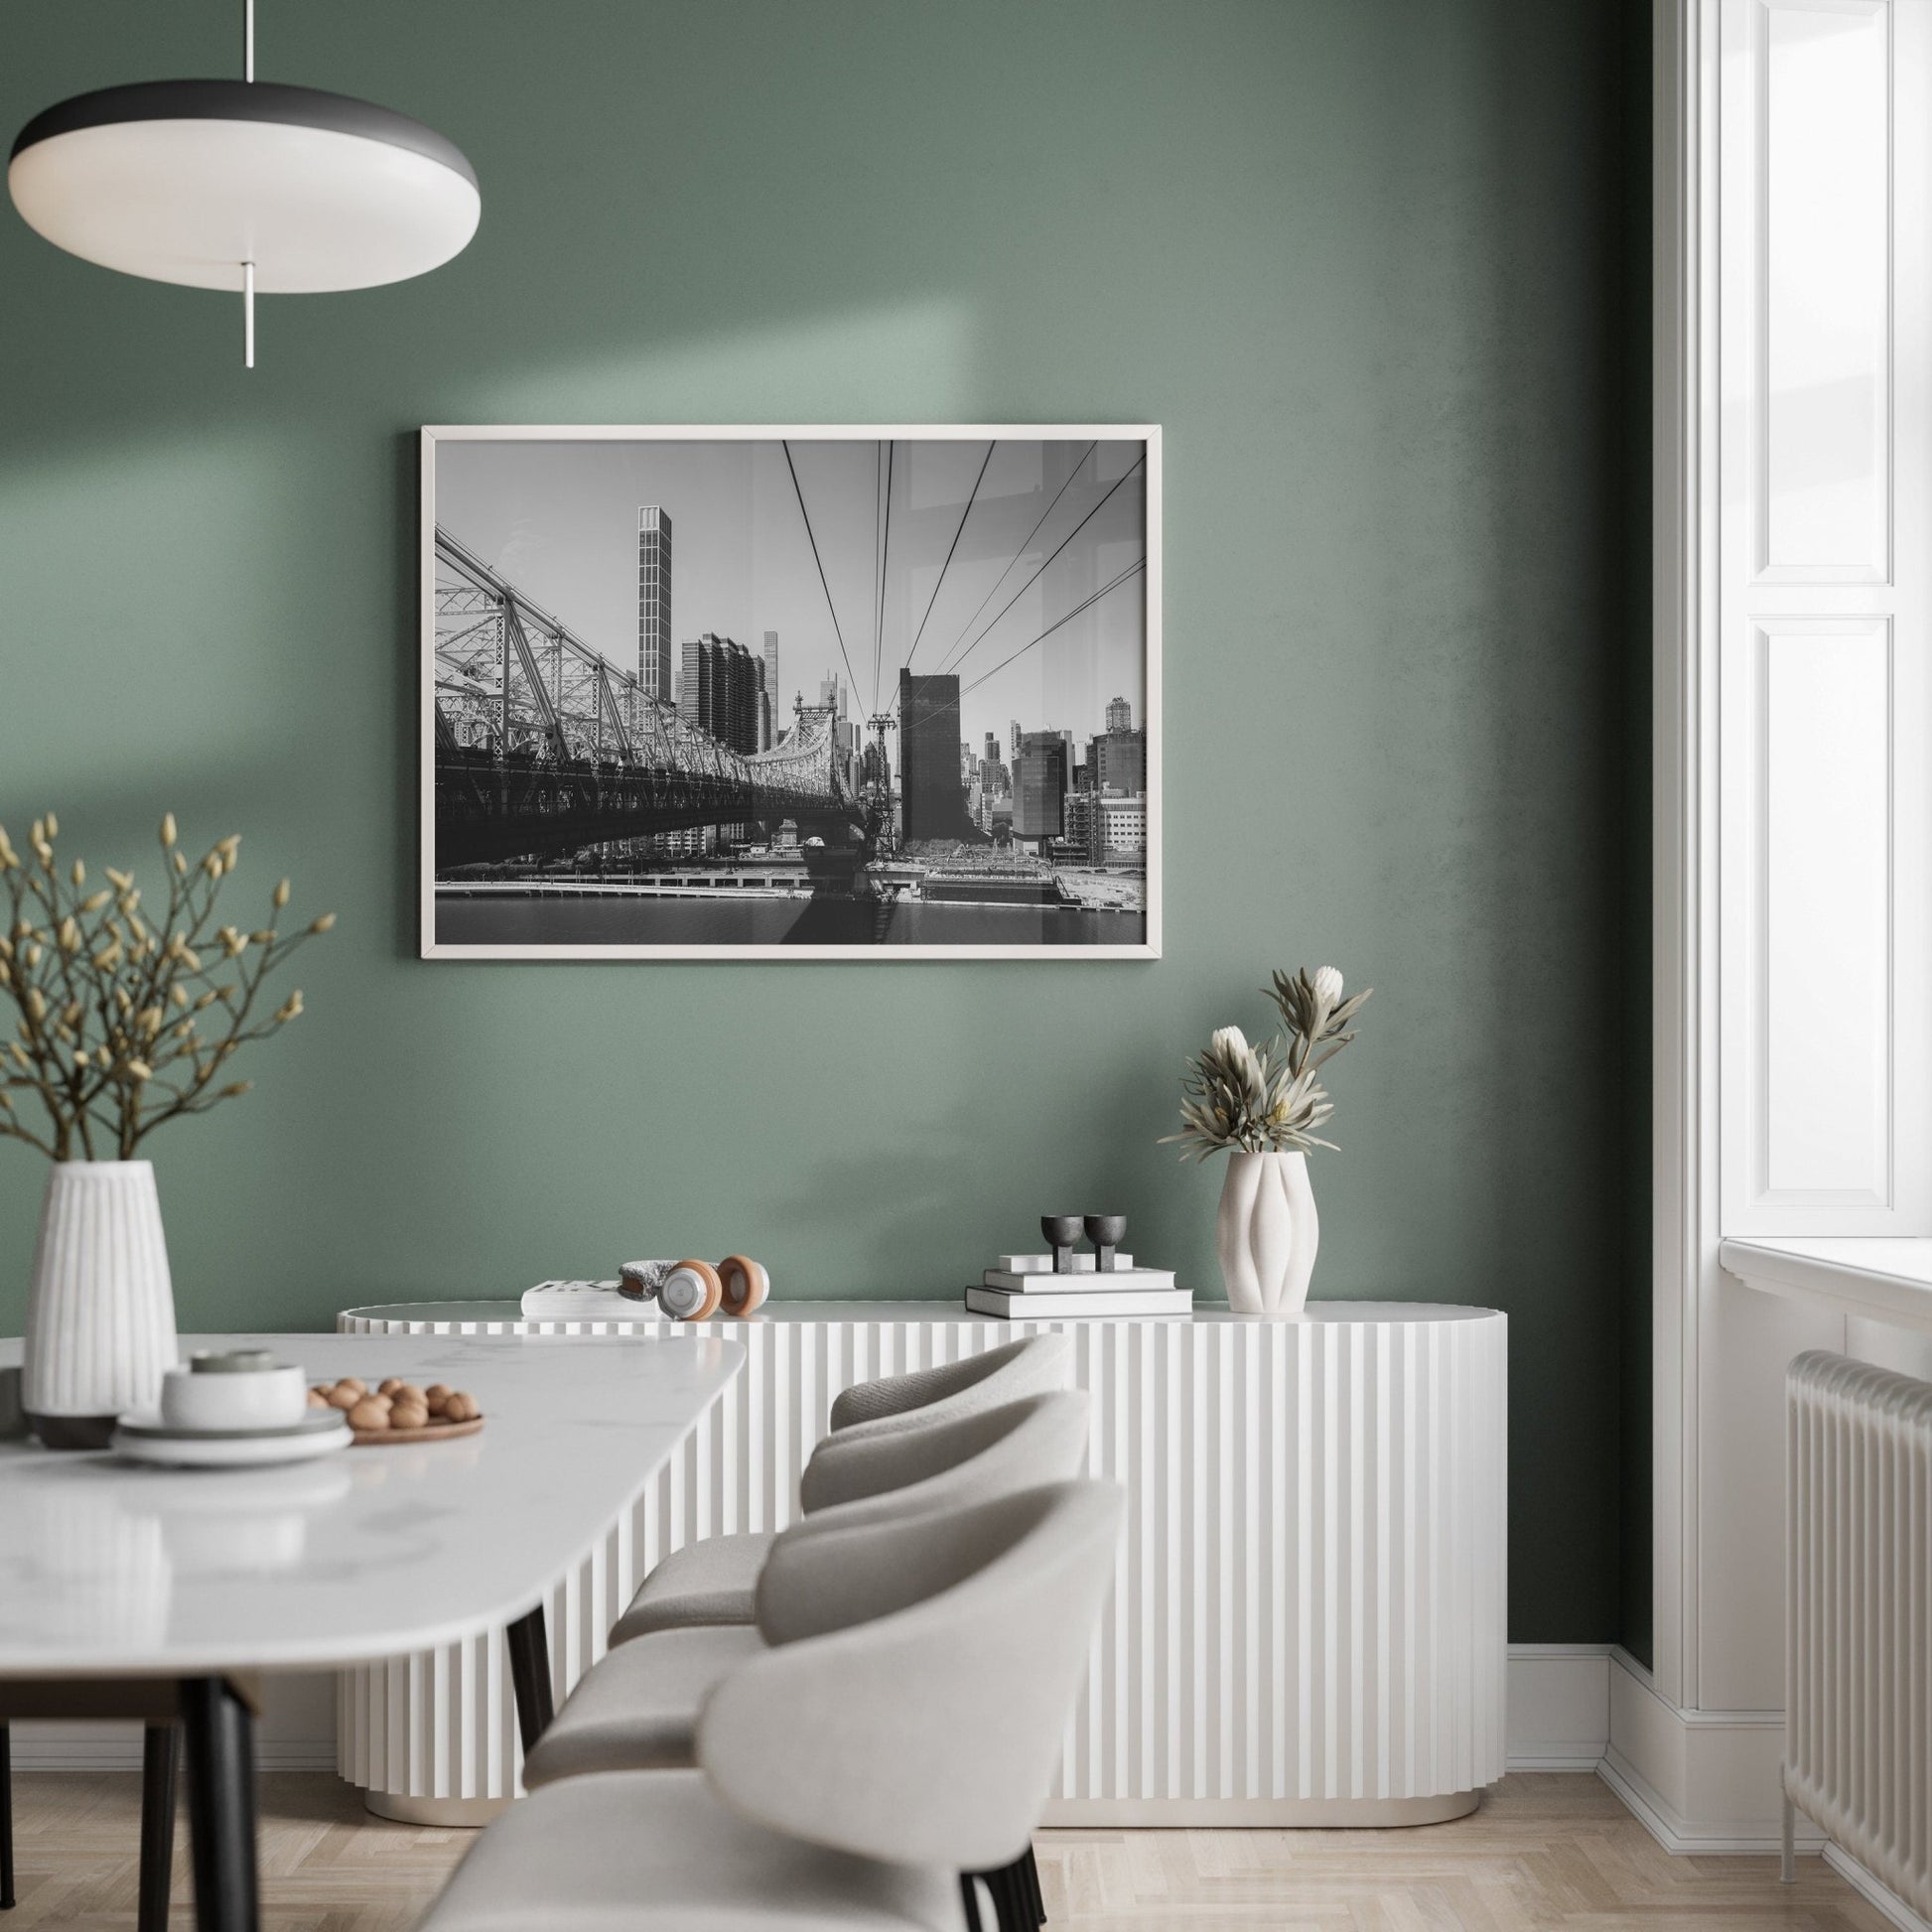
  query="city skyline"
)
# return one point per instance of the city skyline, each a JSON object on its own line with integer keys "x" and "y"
{"x": 567, "y": 520}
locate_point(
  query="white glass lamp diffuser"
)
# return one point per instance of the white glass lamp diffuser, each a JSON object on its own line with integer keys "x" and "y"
{"x": 244, "y": 185}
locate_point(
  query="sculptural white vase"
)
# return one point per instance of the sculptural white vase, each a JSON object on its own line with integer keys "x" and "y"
{"x": 1267, "y": 1232}
{"x": 100, "y": 1307}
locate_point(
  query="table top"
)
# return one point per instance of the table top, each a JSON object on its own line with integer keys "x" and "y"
{"x": 111, "y": 1567}
{"x": 478, "y": 1313}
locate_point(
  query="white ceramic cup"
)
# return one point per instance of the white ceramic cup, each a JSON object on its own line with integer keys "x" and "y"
{"x": 244, "y": 1388}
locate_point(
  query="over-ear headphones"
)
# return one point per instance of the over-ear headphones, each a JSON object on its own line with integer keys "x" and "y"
{"x": 689, "y": 1291}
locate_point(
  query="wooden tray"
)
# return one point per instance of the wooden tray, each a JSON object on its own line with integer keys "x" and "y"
{"x": 432, "y": 1432}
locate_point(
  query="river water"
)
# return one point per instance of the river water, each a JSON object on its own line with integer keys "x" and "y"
{"x": 613, "y": 920}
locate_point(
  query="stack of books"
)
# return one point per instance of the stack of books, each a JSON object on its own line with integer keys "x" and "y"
{"x": 1024, "y": 1288}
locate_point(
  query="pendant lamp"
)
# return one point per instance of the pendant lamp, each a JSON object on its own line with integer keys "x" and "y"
{"x": 244, "y": 185}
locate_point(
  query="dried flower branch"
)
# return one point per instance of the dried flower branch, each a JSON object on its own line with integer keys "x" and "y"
{"x": 112, "y": 1002}
{"x": 1315, "y": 1015}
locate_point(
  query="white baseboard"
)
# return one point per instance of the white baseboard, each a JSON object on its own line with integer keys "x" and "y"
{"x": 297, "y": 1732}
{"x": 1880, "y": 1896}
{"x": 1558, "y": 1705}
{"x": 1559, "y": 1720}
{"x": 1702, "y": 1781}
{"x": 40, "y": 1747}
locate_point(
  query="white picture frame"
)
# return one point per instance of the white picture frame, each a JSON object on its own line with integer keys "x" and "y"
{"x": 511, "y": 762}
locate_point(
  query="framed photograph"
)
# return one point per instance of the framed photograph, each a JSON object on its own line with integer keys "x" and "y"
{"x": 791, "y": 693}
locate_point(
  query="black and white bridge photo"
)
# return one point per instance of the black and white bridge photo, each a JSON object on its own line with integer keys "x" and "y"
{"x": 737, "y": 693}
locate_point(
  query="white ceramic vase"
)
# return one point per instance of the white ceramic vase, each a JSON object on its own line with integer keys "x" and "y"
{"x": 1267, "y": 1232}
{"x": 101, "y": 1308}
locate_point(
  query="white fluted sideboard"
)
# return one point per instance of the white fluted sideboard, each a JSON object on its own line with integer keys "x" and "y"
{"x": 1308, "y": 1620}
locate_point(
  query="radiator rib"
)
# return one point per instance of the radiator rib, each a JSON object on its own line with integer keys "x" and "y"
{"x": 1859, "y": 1614}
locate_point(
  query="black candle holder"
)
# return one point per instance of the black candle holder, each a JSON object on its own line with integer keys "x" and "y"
{"x": 1062, "y": 1232}
{"x": 1105, "y": 1231}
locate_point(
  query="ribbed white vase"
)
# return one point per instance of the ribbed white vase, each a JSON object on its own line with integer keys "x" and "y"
{"x": 101, "y": 1308}
{"x": 1267, "y": 1233}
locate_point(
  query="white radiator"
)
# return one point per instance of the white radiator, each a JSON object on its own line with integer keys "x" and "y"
{"x": 1857, "y": 1751}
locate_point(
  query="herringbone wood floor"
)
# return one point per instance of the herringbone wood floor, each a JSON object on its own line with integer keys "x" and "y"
{"x": 1545, "y": 1850}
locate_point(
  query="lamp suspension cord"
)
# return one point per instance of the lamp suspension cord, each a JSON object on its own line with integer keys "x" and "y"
{"x": 249, "y": 268}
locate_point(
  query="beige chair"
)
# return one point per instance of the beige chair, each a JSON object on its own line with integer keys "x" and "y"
{"x": 712, "y": 1581}
{"x": 637, "y": 1708}
{"x": 852, "y": 1772}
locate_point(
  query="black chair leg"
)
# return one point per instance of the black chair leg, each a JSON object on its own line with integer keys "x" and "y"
{"x": 969, "y": 1899}
{"x": 1012, "y": 1907}
{"x": 529, "y": 1648}
{"x": 6, "y": 1820}
{"x": 158, "y": 1756}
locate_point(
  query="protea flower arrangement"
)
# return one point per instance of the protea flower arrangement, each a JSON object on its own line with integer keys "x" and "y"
{"x": 1238, "y": 1098}
{"x": 129, "y": 1017}
{"x": 1262, "y": 1106}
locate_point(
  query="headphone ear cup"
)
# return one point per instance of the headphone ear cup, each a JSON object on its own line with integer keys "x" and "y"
{"x": 691, "y": 1291}
{"x": 745, "y": 1284}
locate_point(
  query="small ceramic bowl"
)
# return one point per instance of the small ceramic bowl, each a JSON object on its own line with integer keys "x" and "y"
{"x": 244, "y": 1388}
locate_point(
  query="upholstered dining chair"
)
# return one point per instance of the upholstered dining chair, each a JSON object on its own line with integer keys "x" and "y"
{"x": 712, "y": 1581}
{"x": 901, "y": 1731}
{"x": 636, "y": 1709}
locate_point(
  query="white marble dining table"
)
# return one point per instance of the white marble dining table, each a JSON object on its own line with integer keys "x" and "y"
{"x": 168, "y": 1590}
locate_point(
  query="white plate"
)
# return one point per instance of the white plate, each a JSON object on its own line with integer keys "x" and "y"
{"x": 141, "y": 1440}
{"x": 151, "y": 1423}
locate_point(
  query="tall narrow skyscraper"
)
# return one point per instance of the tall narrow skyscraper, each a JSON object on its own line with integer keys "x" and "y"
{"x": 772, "y": 723}
{"x": 654, "y": 602}
{"x": 933, "y": 801}
{"x": 1120, "y": 715}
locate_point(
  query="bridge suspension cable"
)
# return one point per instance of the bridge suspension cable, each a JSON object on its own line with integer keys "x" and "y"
{"x": 1079, "y": 465}
{"x": 885, "y": 563}
{"x": 971, "y": 499}
{"x": 1086, "y": 603}
{"x": 811, "y": 536}
{"x": 954, "y": 662}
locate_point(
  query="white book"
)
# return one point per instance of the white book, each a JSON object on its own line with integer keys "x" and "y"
{"x": 1119, "y": 1281}
{"x": 1043, "y": 1264}
{"x": 1011, "y": 1304}
{"x": 585, "y": 1301}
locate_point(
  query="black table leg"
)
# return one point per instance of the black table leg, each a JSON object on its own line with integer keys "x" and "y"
{"x": 531, "y": 1676}
{"x": 158, "y": 1760}
{"x": 219, "y": 1731}
{"x": 6, "y": 1820}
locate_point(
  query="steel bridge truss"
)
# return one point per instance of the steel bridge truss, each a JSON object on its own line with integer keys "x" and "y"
{"x": 543, "y": 745}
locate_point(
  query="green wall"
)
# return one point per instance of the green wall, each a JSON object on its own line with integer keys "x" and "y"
{"x": 1361, "y": 258}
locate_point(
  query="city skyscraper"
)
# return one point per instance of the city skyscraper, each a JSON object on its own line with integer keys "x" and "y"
{"x": 1117, "y": 763}
{"x": 1120, "y": 716}
{"x": 1015, "y": 730}
{"x": 993, "y": 748}
{"x": 691, "y": 699}
{"x": 720, "y": 690}
{"x": 1040, "y": 785}
{"x": 654, "y": 602}
{"x": 932, "y": 799}
{"x": 772, "y": 723}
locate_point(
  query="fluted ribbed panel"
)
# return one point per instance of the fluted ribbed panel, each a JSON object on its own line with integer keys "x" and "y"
{"x": 1857, "y": 1750}
{"x": 100, "y": 1308}
{"x": 1310, "y": 1603}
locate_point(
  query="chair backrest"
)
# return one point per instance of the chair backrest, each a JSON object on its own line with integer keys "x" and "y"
{"x": 981, "y": 1381}
{"x": 930, "y": 1733}
{"x": 969, "y": 1460}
